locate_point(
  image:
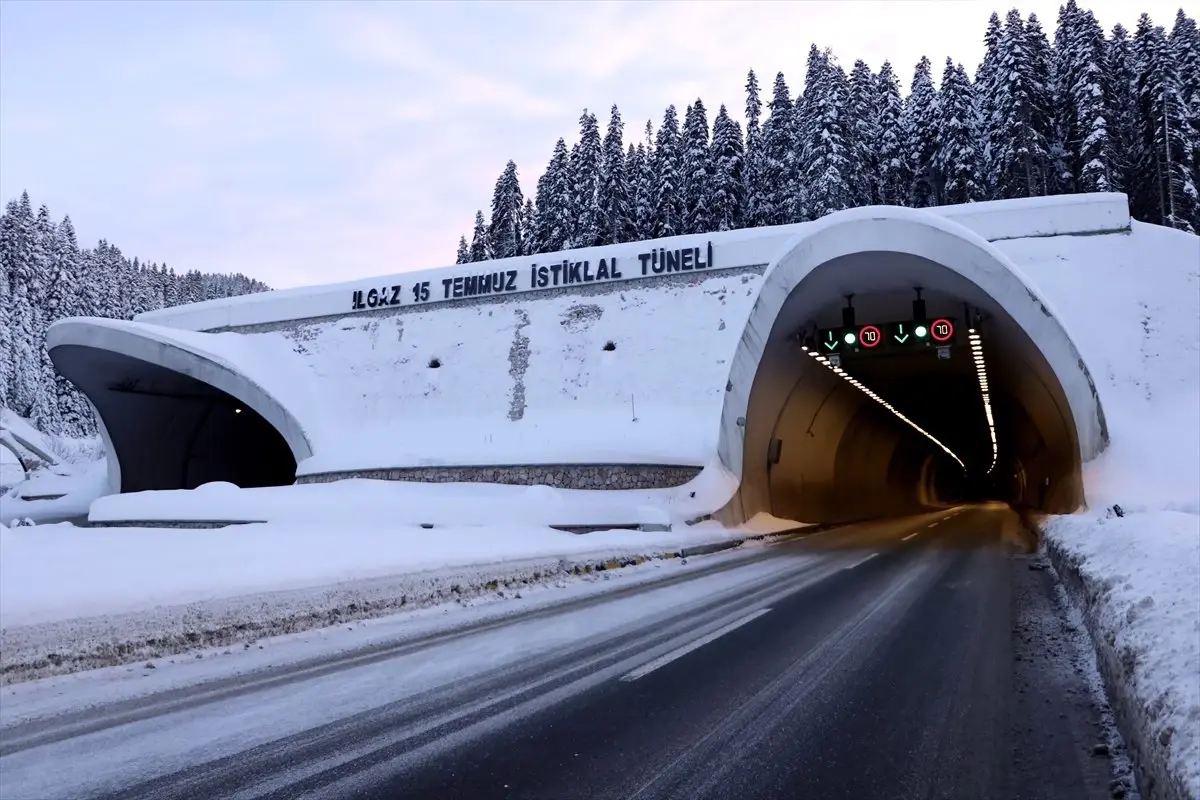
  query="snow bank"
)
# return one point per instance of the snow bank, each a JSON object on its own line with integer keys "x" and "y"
{"x": 62, "y": 493}
{"x": 1137, "y": 580}
{"x": 75, "y": 599}
{"x": 377, "y": 502}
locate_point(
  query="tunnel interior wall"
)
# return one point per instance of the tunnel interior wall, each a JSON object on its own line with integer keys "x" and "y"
{"x": 170, "y": 431}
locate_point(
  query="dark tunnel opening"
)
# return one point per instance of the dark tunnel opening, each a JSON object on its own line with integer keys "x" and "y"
{"x": 848, "y": 435}
{"x": 172, "y": 431}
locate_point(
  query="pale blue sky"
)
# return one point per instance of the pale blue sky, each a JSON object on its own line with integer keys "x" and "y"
{"x": 308, "y": 142}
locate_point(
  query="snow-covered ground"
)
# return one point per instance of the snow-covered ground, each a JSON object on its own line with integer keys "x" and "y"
{"x": 1137, "y": 579}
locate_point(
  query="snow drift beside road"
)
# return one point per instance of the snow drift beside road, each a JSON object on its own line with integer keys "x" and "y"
{"x": 1139, "y": 581}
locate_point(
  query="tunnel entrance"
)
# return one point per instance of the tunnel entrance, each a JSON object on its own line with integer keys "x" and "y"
{"x": 819, "y": 430}
{"x": 168, "y": 430}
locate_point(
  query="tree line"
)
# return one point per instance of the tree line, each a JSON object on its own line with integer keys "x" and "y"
{"x": 46, "y": 276}
{"x": 1089, "y": 112}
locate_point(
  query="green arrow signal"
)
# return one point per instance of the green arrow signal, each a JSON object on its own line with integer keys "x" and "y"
{"x": 831, "y": 345}
{"x": 898, "y": 337}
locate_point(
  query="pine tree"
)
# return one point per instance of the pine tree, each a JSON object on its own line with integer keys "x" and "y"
{"x": 756, "y": 200}
{"x": 1042, "y": 94}
{"x": 1086, "y": 87}
{"x": 668, "y": 208}
{"x": 615, "y": 204}
{"x": 957, "y": 159}
{"x": 1185, "y": 44}
{"x": 728, "y": 199}
{"x": 480, "y": 251}
{"x": 895, "y": 173}
{"x": 776, "y": 165}
{"x": 641, "y": 171}
{"x": 988, "y": 91}
{"x": 863, "y": 110}
{"x": 1165, "y": 193}
{"x": 504, "y": 234}
{"x": 528, "y": 221}
{"x": 553, "y": 225}
{"x": 1069, "y": 61}
{"x": 1020, "y": 159}
{"x": 464, "y": 251}
{"x": 585, "y": 172}
{"x": 826, "y": 154}
{"x": 1123, "y": 127}
{"x": 920, "y": 134}
{"x": 695, "y": 169}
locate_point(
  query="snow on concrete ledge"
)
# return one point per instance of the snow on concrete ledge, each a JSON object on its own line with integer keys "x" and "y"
{"x": 1137, "y": 580}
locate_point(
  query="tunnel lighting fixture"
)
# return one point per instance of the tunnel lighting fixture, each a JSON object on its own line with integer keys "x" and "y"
{"x": 984, "y": 389}
{"x": 237, "y": 411}
{"x": 858, "y": 385}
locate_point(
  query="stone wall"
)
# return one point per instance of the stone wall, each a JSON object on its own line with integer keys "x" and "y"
{"x": 559, "y": 476}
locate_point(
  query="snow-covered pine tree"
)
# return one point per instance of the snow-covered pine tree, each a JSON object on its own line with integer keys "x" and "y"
{"x": 463, "y": 255}
{"x": 1069, "y": 60}
{"x": 727, "y": 207}
{"x": 863, "y": 111}
{"x": 776, "y": 175}
{"x": 1164, "y": 192}
{"x": 1121, "y": 100}
{"x": 957, "y": 159}
{"x": 1020, "y": 157}
{"x": 615, "y": 205}
{"x": 1086, "y": 92}
{"x": 553, "y": 224}
{"x": 895, "y": 173}
{"x": 585, "y": 173}
{"x": 756, "y": 200}
{"x": 1185, "y": 44}
{"x": 668, "y": 205}
{"x": 528, "y": 221}
{"x": 695, "y": 169}
{"x": 504, "y": 233}
{"x": 480, "y": 250}
{"x": 641, "y": 172}
{"x": 920, "y": 136}
{"x": 987, "y": 96}
{"x": 1041, "y": 58}
{"x": 825, "y": 158}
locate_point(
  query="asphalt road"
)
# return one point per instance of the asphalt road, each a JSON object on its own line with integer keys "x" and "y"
{"x": 915, "y": 658}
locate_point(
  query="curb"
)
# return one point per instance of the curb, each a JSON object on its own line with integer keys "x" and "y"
{"x": 1151, "y": 759}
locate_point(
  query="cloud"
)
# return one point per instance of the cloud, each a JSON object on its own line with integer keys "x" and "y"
{"x": 328, "y": 141}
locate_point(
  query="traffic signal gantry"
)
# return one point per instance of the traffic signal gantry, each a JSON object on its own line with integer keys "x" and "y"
{"x": 918, "y": 332}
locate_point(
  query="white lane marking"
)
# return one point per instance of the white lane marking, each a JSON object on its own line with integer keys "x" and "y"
{"x": 932, "y": 525}
{"x": 680, "y": 652}
{"x": 860, "y": 563}
{"x": 906, "y": 538}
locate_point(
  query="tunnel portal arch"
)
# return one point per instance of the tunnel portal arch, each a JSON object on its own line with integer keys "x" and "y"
{"x": 963, "y": 255}
{"x": 171, "y": 417}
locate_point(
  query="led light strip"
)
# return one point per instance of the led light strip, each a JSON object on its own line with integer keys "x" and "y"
{"x": 981, "y": 371}
{"x": 855, "y": 383}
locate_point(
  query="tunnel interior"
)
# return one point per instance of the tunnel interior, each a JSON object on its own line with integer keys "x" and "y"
{"x": 172, "y": 431}
{"x": 818, "y": 448}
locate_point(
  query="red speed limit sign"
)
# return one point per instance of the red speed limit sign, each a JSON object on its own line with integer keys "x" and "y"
{"x": 941, "y": 330}
{"x": 870, "y": 336}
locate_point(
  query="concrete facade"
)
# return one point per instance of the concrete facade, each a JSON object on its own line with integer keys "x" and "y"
{"x": 648, "y": 380}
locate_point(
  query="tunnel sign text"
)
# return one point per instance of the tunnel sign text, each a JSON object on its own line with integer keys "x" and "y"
{"x": 659, "y": 261}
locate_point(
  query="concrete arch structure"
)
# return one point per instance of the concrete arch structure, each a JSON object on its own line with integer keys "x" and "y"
{"x": 876, "y": 244}
{"x": 145, "y": 383}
